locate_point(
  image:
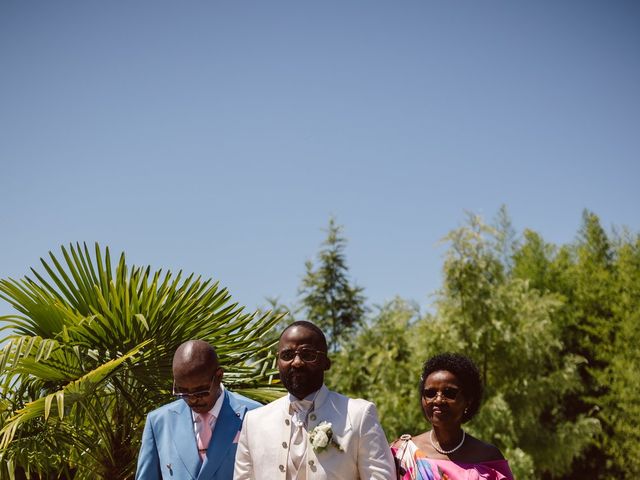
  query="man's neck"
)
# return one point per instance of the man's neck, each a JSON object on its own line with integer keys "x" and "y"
{"x": 309, "y": 396}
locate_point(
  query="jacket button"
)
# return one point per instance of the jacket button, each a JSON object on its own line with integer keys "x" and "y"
{"x": 312, "y": 416}
{"x": 287, "y": 422}
{"x": 281, "y": 467}
{"x": 311, "y": 462}
{"x": 284, "y": 444}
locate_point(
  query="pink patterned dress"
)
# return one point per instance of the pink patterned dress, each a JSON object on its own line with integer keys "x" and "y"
{"x": 412, "y": 464}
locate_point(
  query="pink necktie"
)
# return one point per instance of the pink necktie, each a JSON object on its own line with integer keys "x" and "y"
{"x": 204, "y": 434}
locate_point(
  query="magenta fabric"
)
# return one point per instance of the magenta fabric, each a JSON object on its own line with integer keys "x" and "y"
{"x": 414, "y": 465}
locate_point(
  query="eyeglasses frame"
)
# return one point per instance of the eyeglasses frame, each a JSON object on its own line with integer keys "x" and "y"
{"x": 197, "y": 395}
{"x": 296, "y": 353}
{"x": 441, "y": 394}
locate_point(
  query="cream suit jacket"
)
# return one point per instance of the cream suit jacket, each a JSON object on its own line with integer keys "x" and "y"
{"x": 263, "y": 446}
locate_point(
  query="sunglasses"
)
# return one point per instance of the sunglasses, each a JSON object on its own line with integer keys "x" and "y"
{"x": 197, "y": 395}
{"x": 305, "y": 354}
{"x": 449, "y": 393}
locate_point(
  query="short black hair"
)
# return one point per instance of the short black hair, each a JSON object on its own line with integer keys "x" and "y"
{"x": 322, "y": 340}
{"x": 465, "y": 371}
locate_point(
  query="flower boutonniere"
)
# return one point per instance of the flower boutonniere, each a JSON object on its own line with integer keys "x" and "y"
{"x": 322, "y": 436}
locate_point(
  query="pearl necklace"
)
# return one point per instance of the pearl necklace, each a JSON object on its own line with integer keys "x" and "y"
{"x": 447, "y": 452}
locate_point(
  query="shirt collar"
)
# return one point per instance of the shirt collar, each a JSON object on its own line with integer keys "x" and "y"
{"x": 313, "y": 396}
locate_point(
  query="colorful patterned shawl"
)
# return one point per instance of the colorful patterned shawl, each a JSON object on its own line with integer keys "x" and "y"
{"x": 412, "y": 464}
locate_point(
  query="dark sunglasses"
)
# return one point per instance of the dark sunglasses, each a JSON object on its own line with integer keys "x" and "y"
{"x": 197, "y": 395}
{"x": 450, "y": 393}
{"x": 305, "y": 354}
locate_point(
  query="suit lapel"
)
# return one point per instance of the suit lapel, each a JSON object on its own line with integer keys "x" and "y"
{"x": 184, "y": 438}
{"x": 227, "y": 427}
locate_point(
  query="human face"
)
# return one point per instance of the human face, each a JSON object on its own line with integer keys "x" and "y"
{"x": 443, "y": 400}
{"x": 204, "y": 387}
{"x": 301, "y": 378}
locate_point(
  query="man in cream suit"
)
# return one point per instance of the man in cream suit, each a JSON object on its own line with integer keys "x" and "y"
{"x": 312, "y": 433}
{"x": 196, "y": 436}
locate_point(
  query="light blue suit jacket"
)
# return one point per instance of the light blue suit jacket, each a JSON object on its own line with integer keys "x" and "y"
{"x": 169, "y": 448}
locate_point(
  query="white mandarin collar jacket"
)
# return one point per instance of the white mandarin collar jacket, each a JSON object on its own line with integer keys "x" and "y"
{"x": 263, "y": 446}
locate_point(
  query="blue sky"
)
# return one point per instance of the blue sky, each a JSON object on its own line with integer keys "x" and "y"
{"x": 219, "y": 137}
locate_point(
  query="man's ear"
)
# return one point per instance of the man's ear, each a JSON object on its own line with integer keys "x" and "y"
{"x": 219, "y": 374}
{"x": 327, "y": 363}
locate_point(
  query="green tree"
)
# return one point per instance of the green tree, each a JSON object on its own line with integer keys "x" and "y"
{"x": 598, "y": 281}
{"x": 582, "y": 275}
{"x": 554, "y": 330}
{"x": 509, "y": 329}
{"x": 328, "y": 298}
{"x": 382, "y": 363}
{"x": 505, "y": 238}
{"x": 619, "y": 380}
{"x": 532, "y": 262}
{"x": 89, "y": 354}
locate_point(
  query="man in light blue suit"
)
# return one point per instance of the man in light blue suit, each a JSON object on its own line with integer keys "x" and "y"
{"x": 195, "y": 437}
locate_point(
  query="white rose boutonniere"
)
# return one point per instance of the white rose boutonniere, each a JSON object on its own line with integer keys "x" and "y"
{"x": 322, "y": 436}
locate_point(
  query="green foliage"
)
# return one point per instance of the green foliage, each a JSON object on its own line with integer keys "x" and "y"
{"x": 379, "y": 364}
{"x": 620, "y": 404}
{"x": 89, "y": 354}
{"x": 598, "y": 280}
{"x": 554, "y": 331}
{"x": 509, "y": 329}
{"x": 328, "y": 299}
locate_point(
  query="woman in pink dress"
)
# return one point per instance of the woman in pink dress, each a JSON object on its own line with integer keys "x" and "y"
{"x": 450, "y": 393}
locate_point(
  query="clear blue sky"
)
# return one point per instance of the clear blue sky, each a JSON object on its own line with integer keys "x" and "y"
{"x": 219, "y": 136}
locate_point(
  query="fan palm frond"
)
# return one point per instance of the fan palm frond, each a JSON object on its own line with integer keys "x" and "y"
{"x": 89, "y": 352}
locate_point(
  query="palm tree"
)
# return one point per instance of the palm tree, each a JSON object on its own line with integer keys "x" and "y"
{"x": 89, "y": 354}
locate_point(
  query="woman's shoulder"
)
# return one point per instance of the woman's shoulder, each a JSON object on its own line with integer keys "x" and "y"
{"x": 479, "y": 451}
{"x": 407, "y": 456}
{"x": 473, "y": 451}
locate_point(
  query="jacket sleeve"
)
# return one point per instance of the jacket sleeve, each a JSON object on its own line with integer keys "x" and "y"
{"x": 148, "y": 460}
{"x": 374, "y": 455}
{"x": 243, "y": 468}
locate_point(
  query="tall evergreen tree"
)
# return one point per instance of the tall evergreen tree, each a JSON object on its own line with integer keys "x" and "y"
{"x": 328, "y": 298}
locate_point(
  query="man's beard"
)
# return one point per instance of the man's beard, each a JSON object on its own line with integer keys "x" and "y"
{"x": 301, "y": 383}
